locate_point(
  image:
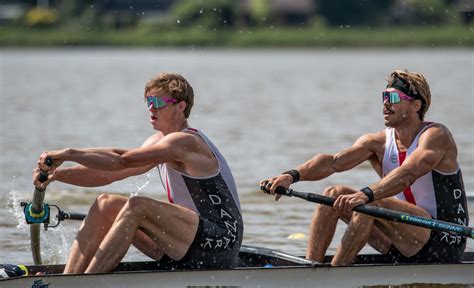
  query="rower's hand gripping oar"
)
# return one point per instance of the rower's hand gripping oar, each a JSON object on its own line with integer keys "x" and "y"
{"x": 385, "y": 213}
{"x": 37, "y": 212}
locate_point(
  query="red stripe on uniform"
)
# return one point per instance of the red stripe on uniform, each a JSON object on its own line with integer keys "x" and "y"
{"x": 169, "y": 191}
{"x": 407, "y": 192}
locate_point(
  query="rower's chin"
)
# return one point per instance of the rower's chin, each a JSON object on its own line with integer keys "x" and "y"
{"x": 387, "y": 120}
{"x": 154, "y": 123}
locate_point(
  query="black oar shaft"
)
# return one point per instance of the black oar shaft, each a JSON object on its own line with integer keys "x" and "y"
{"x": 387, "y": 214}
{"x": 71, "y": 216}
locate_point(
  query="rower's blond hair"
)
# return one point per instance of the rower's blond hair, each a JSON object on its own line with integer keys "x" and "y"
{"x": 176, "y": 86}
{"x": 417, "y": 84}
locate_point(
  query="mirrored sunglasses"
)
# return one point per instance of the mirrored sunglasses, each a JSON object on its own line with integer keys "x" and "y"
{"x": 158, "y": 102}
{"x": 394, "y": 97}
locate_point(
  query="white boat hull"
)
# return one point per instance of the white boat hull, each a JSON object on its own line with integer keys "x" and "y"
{"x": 354, "y": 276}
{"x": 258, "y": 267}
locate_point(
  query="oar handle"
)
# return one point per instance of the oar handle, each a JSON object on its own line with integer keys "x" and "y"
{"x": 38, "y": 196}
{"x": 385, "y": 213}
{"x": 311, "y": 197}
{"x": 44, "y": 174}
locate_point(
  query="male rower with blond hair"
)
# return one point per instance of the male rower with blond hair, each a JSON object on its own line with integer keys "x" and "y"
{"x": 200, "y": 227}
{"x": 417, "y": 163}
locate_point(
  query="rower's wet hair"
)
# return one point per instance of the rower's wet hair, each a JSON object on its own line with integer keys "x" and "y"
{"x": 417, "y": 84}
{"x": 176, "y": 86}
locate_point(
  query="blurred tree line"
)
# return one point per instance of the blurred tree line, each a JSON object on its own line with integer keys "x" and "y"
{"x": 214, "y": 14}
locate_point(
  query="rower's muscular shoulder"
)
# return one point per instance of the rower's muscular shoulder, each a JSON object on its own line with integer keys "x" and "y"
{"x": 373, "y": 141}
{"x": 176, "y": 138}
{"x": 153, "y": 139}
{"x": 193, "y": 156}
{"x": 437, "y": 135}
{"x": 186, "y": 146}
{"x": 438, "y": 139}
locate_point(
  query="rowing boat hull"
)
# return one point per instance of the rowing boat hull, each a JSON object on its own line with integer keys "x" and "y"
{"x": 323, "y": 276}
{"x": 258, "y": 267}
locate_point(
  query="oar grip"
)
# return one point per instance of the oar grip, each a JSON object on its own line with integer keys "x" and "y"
{"x": 44, "y": 174}
{"x": 282, "y": 191}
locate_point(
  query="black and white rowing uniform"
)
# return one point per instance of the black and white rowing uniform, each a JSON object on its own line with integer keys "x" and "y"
{"x": 441, "y": 194}
{"x": 214, "y": 198}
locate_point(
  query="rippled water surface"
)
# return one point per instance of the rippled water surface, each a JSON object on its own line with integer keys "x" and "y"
{"x": 267, "y": 110}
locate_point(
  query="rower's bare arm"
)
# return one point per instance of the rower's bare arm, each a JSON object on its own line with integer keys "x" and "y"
{"x": 431, "y": 151}
{"x": 80, "y": 175}
{"x": 173, "y": 147}
{"x": 324, "y": 165}
{"x": 86, "y": 177}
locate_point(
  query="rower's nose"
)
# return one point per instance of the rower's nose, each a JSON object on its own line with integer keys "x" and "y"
{"x": 151, "y": 108}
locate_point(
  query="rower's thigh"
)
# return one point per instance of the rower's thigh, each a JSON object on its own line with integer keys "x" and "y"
{"x": 107, "y": 207}
{"x": 334, "y": 192}
{"x": 170, "y": 226}
{"x": 148, "y": 246}
{"x": 408, "y": 239}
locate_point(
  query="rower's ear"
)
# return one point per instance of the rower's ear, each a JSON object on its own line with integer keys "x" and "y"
{"x": 418, "y": 105}
{"x": 181, "y": 106}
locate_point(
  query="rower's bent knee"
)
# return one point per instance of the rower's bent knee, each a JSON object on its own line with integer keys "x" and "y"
{"x": 107, "y": 201}
{"x": 361, "y": 218}
{"x": 334, "y": 191}
{"x": 331, "y": 192}
{"x": 102, "y": 201}
{"x": 104, "y": 197}
{"x": 136, "y": 204}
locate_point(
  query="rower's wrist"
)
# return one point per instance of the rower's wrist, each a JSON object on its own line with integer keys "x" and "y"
{"x": 295, "y": 175}
{"x": 369, "y": 193}
{"x": 55, "y": 175}
{"x": 67, "y": 154}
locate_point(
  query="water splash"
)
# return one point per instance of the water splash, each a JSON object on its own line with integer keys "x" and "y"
{"x": 141, "y": 187}
{"x": 14, "y": 207}
{"x": 55, "y": 242}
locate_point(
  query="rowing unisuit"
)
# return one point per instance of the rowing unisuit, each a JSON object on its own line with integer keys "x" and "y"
{"x": 214, "y": 198}
{"x": 441, "y": 194}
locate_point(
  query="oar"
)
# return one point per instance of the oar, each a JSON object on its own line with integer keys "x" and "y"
{"x": 36, "y": 213}
{"x": 384, "y": 213}
{"x": 62, "y": 215}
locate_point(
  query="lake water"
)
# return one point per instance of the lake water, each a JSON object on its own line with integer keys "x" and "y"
{"x": 267, "y": 111}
